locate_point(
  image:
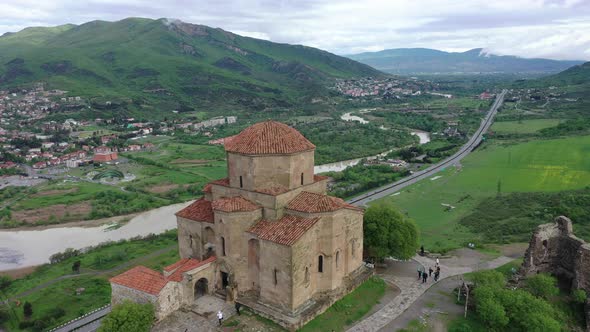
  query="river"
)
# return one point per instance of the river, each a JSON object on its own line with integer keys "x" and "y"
{"x": 25, "y": 248}
{"x": 339, "y": 166}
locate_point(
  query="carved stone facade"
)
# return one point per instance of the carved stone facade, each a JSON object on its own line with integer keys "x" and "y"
{"x": 275, "y": 241}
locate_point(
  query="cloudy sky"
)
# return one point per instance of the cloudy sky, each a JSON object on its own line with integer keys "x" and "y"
{"x": 558, "y": 29}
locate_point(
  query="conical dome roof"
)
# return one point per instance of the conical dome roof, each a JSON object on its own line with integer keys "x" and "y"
{"x": 269, "y": 137}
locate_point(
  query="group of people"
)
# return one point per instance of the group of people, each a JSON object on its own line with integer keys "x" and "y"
{"x": 423, "y": 274}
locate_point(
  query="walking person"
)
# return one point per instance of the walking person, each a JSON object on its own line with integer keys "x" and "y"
{"x": 419, "y": 272}
{"x": 430, "y": 270}
{"x": 220, "y": 316}
{"x": 421, "y": 250}
{"x": 424, "y": 277}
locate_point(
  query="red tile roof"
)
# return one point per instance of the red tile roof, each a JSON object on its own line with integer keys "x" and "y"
{"x": 317, "y": 178}
{"x": 275, "y": 190}
{"x": 187, "y": 265}
{"x": 315, "y": 203}
{"x": 174, "y": 266}
{"x": 207, "y": 188}
{"x": 269, "y": 137}
{"x": 141, "y": 278}
{"x": 234, "y": 204}
{"x": 199, "y": 210}
{"x": 286, "y": 230}
{"x": 222, "y": 182}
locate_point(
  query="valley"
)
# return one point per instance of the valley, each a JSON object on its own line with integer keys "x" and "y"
{"x": 108, "y": 129}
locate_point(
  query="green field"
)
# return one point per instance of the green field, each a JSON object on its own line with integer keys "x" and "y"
{"x": 97, "y": 266}
{"x": 524, "y": 127}
{"x": 544, "y": 165}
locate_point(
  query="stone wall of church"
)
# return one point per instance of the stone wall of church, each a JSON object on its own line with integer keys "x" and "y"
{"x": 231, "y": 227}
{"x": 169, "y": 300}
{"x": 269, "y": 171}
{"x": 190, "y": 238}
{"x": 120, "y": 293}
{"x": 273, "y": 204}
{"x": 275, "y": 275}
{"x": 338, "y": 239}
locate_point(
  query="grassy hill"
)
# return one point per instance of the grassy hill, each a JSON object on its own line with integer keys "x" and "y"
{"x": 428, "y": 61}
{"x": 171, "y": 62}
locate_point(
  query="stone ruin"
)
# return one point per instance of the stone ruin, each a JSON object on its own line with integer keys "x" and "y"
{"x": 554, "y": 249}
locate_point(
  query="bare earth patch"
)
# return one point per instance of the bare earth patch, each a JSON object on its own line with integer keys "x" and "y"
{"x": 55, "y": 192}
{"x": 74, "y": 211}
{"x": 162, "y": 188}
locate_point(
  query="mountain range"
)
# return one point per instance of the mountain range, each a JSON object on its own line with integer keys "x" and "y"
{"x": 429, "y": 61}
{"x": 173, "y": 62}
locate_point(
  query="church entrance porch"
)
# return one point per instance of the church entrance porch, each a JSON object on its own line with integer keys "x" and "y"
{"x": 201, "y": 287}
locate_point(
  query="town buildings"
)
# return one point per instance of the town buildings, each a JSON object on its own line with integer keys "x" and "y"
{"x": 267, "y": 236}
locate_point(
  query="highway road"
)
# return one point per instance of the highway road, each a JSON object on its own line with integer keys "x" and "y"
{"x": 473, "y": 142}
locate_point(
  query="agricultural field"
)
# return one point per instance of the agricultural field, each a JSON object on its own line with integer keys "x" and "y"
{"x": 437, "y": 204}
{"x": 524, "y": 126}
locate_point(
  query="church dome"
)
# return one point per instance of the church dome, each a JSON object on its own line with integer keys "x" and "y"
{"x": 269, "y": 137}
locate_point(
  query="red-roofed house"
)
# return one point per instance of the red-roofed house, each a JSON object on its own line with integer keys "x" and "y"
{"x": 279, "y": 244}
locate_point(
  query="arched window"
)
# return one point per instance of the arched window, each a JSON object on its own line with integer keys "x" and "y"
{"x": 337, "y": 258}
{"x": 222, "y": 246}
{"x": 241, "y": 182}
{"x": 306, "y": 276}
{"x": 352, "y": 248}
{"x": 320, "y": 263}
{"x": 276, "y": 277}
{"x": 301, "y": 178}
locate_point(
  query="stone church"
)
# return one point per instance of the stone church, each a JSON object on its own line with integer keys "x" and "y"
{"x": 267, "y": 236}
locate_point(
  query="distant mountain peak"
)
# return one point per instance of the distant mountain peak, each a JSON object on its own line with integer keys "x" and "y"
{"x": 477, "y": 60}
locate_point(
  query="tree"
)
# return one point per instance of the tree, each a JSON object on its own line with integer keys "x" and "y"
{"x": 130, "y": 317}
{"x": 542, "y": 285}
{"x": 28, "y": 310}
{"x": 76, "y": 266}
{"x": 388, "y": 233}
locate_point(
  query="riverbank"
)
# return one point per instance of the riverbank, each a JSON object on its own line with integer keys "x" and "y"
{"x": 24, "y": 248}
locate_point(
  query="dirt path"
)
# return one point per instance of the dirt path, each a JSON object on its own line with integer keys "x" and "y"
{"x": 412, "y": 289}
{"x": 98, "y": 273}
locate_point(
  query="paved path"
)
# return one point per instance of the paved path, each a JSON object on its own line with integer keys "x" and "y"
{"x": 473, "y": 142}
{"x": 412, "y": 289}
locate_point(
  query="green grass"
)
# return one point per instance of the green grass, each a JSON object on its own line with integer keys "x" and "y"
{"x": 524, "y": 127}
{"x": 350, "y": 308}
{"x": 544, "y": 165}
{"x": 97, "y": 289}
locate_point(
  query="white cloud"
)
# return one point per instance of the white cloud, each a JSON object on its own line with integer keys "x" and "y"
{"x": 529, "y": 28}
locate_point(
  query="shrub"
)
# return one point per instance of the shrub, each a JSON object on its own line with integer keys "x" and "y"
{"x": 129, "y": 317}
{"x": 542, "y": 285}
{"x": 579, "y": 296}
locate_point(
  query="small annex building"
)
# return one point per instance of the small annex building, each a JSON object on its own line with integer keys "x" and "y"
{"x": 267, "y": 236}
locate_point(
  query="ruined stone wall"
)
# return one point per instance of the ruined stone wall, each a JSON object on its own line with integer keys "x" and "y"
{"x": 556, "y": 250}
